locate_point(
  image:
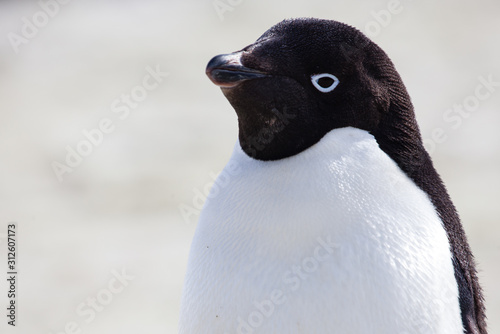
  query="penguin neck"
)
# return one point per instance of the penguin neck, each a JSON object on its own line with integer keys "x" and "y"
{"x": 397, "y": 132}
{"x": 398, "y": 135}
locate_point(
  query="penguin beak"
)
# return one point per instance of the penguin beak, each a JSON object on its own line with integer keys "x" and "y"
{"x": 226, "y": 70}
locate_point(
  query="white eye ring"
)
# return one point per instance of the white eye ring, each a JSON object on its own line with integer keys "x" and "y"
{"x": 315, "y": 81}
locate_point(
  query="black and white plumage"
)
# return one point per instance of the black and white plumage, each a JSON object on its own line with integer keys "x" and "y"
{"x": 328, "y": 148}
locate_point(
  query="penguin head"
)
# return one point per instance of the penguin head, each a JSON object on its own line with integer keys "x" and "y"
{"x": 305, "y": 77}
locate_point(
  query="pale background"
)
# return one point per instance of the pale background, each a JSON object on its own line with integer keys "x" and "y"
{"x": 120, "y": 207}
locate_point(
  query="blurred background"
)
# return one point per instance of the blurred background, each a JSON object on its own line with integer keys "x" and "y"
{"x": 103, "y": 238}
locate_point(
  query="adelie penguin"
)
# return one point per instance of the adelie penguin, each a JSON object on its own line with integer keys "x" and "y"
{"x": 332, "y": 218}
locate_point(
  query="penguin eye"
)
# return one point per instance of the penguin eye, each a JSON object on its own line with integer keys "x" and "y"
{"x": 324, "y": 82}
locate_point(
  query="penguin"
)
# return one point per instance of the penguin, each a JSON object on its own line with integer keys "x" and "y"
{"x": 332, "y": 218}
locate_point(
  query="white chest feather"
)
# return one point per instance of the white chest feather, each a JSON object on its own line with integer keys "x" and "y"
{"x": 336, "y": 239}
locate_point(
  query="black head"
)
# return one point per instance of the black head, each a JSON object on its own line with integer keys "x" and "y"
{"x": 303, "y": 78}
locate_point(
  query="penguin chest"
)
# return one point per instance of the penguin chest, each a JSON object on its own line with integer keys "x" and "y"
{"x": 336, "y": 239}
